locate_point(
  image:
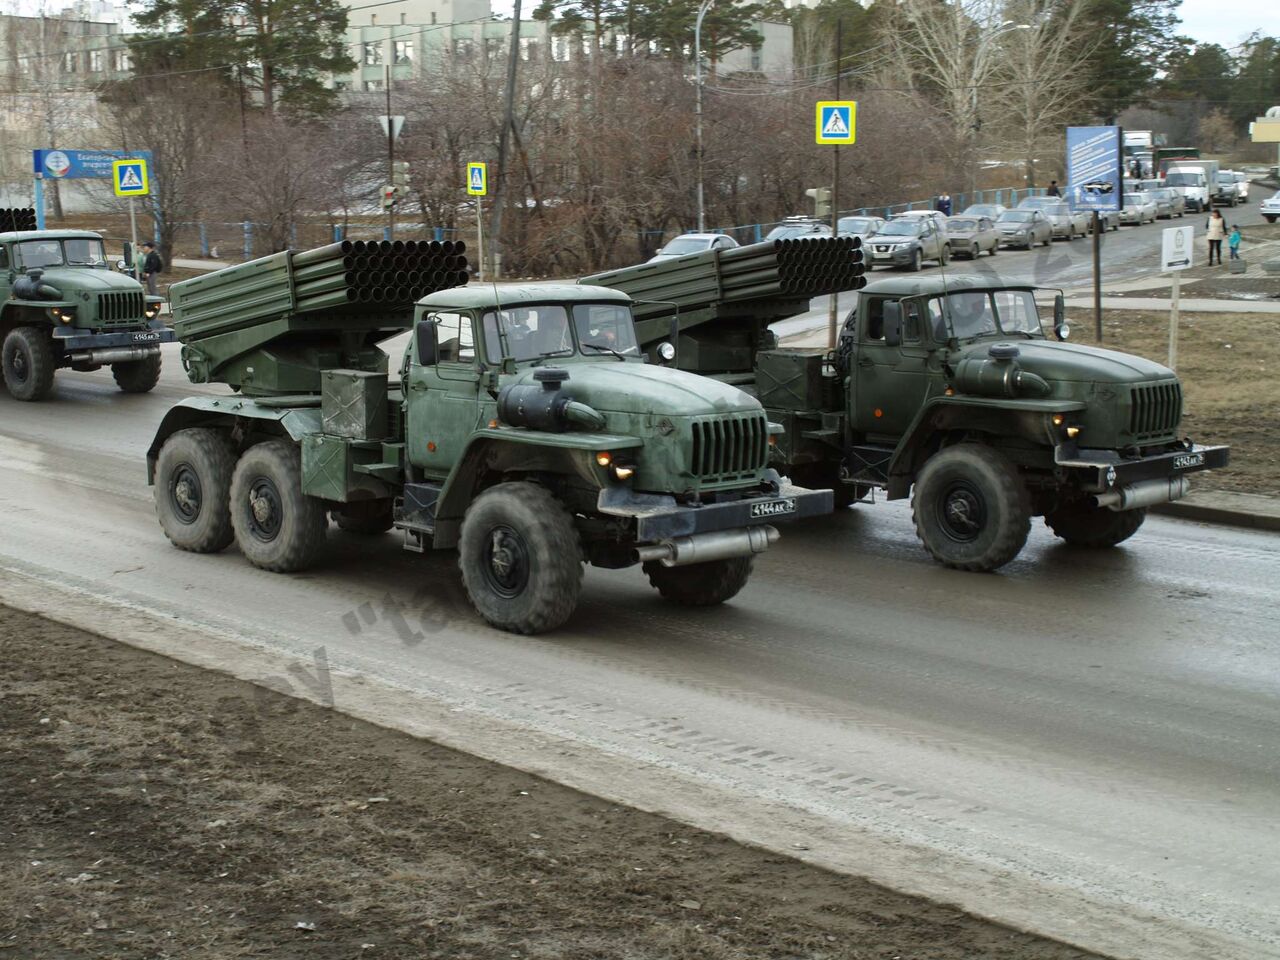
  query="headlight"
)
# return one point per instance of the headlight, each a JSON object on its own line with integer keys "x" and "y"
{"x": 666, "y": 352}
{"x": 151, "y": 311}
{"x": 63, "y": 314}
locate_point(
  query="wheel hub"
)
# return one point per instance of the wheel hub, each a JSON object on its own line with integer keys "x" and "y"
{"x": 506, "y": 566}
{"x": 265, "y": 511}
{"x": 185, "y": 493}
{"x": 962, "y": 512}
{"x": 18, "y": 364}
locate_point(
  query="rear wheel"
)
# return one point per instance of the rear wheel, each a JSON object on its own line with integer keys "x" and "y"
{"x": 971, "y": 510}
{"x": 700, "y": 584}
{"x": 277, "y": 526}
{"x": 137, "y": 376}
{"x": 193, "y": 487}
{"x": 1084, "y": 525}
{"x": 29, "y": 363}
{"x": 520, "y": 557}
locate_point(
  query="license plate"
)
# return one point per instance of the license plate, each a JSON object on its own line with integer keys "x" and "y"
{"x": 773, "y": 508}
{"x": 151, "y": 337}
{"x": 1188, "y": 460}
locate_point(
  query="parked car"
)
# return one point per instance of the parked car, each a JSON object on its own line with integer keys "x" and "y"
{"x": 907, "y": 242}
{"x": 937, "y": 216}
{"x": 992, "y": 210}
{"x": 1024, "y": 228}
{"x": 798, "y": 228}
{"x": 1066, "y": 223}
{"x": 688, "y": 243}
{"x": 1242, "y": 184}
{"x": 1169, "y": 203}
{"x": 1139, "y": 208}
{"x": 1270, "y": 207}
{"x": 973, "y": 235}
{"x": 861, "y": 227}
{"x": 1226, "y": 192}
{"x": 1107, "y": 220}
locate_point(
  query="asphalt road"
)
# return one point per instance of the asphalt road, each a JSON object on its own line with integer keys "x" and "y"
{"x": 1084, "y": 744}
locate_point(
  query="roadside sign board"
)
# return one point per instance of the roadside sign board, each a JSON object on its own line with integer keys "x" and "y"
{"x": 391, "y": 125}
{"x": 1095, "y": 168}
{"x": 1175, "y": 248}
{"x": 477, "y": 179}
{"x": 129, "y": 178}
{"x": 836, "y": 121}
{"x": 81, "y": 164}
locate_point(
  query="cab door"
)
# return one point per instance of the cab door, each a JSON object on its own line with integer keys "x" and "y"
{"x": 442, "y": 392}
{"x": 889, "y": 382}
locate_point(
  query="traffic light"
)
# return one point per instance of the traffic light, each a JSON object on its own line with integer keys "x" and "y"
{"x": 389, "y": 196}
{"x": 821, "y": 201}
{"x": 400, "y": 175}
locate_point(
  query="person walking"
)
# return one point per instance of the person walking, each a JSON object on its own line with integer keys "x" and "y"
{"x": 1233, "y": 243}
{"x": 944, "y": 204}
{"x": 1053, "y": 190}
{"x": 151, "y": 267}
{"x": 1215, "y": 233}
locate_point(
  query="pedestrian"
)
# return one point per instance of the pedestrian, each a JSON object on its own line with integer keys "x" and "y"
{"x": 1053, "y": 190}
{"x": 151, "y": 267}
{"x": 944, "y": 204}
{"x": 1216, "y": 232}
{"x": 1233, "y": 244}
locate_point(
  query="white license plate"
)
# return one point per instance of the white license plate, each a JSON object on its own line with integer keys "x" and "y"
{"x": 773, "y": 508}
{"x": 151, "y": 337}
{"x": 881, "y": 256}
{"x": 1188, "y": 460}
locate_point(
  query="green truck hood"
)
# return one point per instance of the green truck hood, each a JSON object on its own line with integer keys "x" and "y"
{"x": 613, "y": 387}
{"x": 85, "y": 278}
{"x": 1075, "y": 362}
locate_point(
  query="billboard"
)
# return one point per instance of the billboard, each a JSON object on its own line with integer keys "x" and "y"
{"x": 1095, "y": 168}
{"x": 81, "y": 164}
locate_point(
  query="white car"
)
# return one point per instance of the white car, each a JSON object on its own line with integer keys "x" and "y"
{"x": 1242, "y": 184}
{"x": 688, "y": 243}
{"x": 1139, "y": 208}
{"x": 1270, "y": 207}
{"x": 937, "y": 216}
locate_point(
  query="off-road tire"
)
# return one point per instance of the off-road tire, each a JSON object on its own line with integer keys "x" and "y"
{"x": 971, "y": 509}
{"x": 520, "y": 557}
{"x": 137, "y": 376}
{"x": 365, "y": 517}
{"x": 193, "y": 489}
{"x": 29, "y": 363}
{"x": 1084, "y": 525}
{"x": 700, "y": 584}
{"x": 286, "y": 533}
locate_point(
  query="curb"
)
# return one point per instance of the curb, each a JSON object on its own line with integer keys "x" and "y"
{"x": 1224, "y": 516}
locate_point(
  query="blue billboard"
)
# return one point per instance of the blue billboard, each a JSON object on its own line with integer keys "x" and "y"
{"x": 1095, "y": 168}
{"x": 81, "y": 164}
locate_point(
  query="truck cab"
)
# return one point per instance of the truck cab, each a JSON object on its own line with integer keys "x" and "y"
{"x": 64, "y": 304}
{"x": 950, "y": 391}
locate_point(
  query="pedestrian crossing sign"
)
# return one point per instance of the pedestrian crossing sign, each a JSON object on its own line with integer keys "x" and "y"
{"x": 129, "y": 178}
{"x": 477, "y": 179}
{"x": 836, "y": 121}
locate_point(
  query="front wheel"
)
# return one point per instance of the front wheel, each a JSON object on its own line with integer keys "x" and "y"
{"x": 944, "y": 257}
{"x": 995, "y": 248}
{"x": 137, "y": 376}
{"x": 971, "y": 509}
{"x": 277, "y": 526}
{"x": 28, "y": 363}
{"x": 193, "y": 488}
{"x": 1084, "y": 525}
{"x": 915, "y": 262}
{"x": 700, "y": 584}
{"x": 520, "y": 557}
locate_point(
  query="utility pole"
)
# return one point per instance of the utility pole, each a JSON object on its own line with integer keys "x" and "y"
{"x": 508, "y": 127}
{"x": 697, "y": 106}
{"x": 833, "y": 317}
{"x": 391, "y": 158}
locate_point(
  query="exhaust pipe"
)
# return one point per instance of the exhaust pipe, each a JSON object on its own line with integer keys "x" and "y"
{"x": 114, "y": 355}
{"x": 1143, "y": 494}
{"x": 705, "y": 547}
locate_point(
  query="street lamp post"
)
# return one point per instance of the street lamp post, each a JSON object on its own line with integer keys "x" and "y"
{"x": 697, "y": 109}
{"x": 979, "y": 62}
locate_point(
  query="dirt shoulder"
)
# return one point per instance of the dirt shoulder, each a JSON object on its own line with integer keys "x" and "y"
{"x": 1229, "y": 364}
{"x": 150, "y": 809}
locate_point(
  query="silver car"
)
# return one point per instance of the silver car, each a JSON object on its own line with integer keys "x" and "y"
{"x": 1066, "y": 223}
{"x": 992, "y": 210}
{"x": 688, "y": 243}
{"x": 907, "y": 242}
{"x": 1139, "y": 208}
{"x": 862, "y": 227}
{"x": 1024, "y": 228}
{"x": 1242, "y": 183}
{"x": 1270, "y": 208}
{"x": 972, "y": 236}
{"x": 1169, "y": 203}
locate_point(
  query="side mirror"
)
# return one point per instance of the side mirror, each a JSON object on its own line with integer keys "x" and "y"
{"x": 1061, "y": 329}
{"x": 893, "y": 324}
{"x": 127, "y": 255}
{"x": 426, "y": 337}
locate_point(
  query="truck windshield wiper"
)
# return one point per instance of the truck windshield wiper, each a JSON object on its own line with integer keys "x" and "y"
{"x": 601, "y": 346}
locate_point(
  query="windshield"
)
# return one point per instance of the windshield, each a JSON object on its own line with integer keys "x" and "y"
{"x": 856, "y": 224}
{"x": 1055, "y": 210}
{"x": 682, "y": 245}
{"x": 900, "y": 228}
{"x": 791, "y": 231}
{"x": 40, "y": 253}
{"x": 1016, "y": 216}
{"x": 527, "y": 333}
{"x": 84, "y": 251}
{"x": 983, "y": 210}
{"x": 962, "y": 226}
{"x": 79, "y": 251}
{"x": 967, "y": 315}
{"x": 605, "y": 328}
{"x": 1136, "y": 199}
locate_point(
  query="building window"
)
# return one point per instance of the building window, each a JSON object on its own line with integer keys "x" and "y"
{"x": 121, "y": 61}
{"x": 371, "y": 85}
{"x": 404, "y": 51}
{"x": 373, "y": 54}
{"x": 433, "y": 18}
{"x": 560, "y": 48}
{"x": 70, "y": 62}
{"x": 493, "y": 47}
{"x": 24, "y": 64}
{"x": 528, "y": 48}
{"x": 95, "y": 61}
{"x": 464, "y": 47}
{"x": 342, "y": 84}
{"x": 757, "y": 59}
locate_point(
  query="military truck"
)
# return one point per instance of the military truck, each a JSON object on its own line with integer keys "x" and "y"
{"x": 948, "y": 390}
{"x": 62, "y": 304}
{"x": 524, "y": 427}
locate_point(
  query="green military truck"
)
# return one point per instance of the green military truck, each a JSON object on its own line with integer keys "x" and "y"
{"x": 62, "y": 304}
{"x": 948, "y": 390}
{"x": 525, "y": 428}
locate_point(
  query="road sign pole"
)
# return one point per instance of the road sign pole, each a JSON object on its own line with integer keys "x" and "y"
{"x": 480, "y": 239}
{"x": 833, "y": 314}
{"x": 1097, "y": 276}
{"x": 391, "y": 158}
{"x": 39, "y": 199}
{"x": 1173, "y": 321}
{"x": 133, "y": 232}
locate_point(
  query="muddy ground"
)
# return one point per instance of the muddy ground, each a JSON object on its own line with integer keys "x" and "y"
{"x": 152, "y": 810}
{"x": 1229, "y": 364}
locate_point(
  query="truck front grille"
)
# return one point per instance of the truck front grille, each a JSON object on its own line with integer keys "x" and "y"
{"x": 730, "y": 448}
{"x": 1156, "y": 411}
{"x": 120, "y": 309}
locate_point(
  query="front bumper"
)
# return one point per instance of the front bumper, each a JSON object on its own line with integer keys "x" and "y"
{"x": 1098, "y": 471}
{"x": 895, "y": 257}
{"x": 659, "y": 517}
{"x": 1012, "y": 240}
{"x": 154, "y": 333}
